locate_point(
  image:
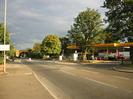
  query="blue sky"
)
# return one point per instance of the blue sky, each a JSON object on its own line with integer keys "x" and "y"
{"x": 29, "y": 21}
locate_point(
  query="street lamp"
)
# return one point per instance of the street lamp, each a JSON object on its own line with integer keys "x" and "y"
{"x": 5, "y": 14}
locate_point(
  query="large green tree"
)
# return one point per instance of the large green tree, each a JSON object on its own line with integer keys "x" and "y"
{"x": 51, "y": 45}
{"x": 86, "y": 29}
{"x": 119, "y": 17}
{"x": 120, "y": 20}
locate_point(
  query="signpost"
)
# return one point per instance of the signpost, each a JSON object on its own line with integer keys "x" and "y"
{"x": 4, "y": 47}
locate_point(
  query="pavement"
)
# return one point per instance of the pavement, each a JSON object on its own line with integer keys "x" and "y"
{"x": 20, "y": 83}
{"x": 123, "y": 69}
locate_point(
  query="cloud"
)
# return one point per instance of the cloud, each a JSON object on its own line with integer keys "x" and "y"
{"x": 31, "y": 20}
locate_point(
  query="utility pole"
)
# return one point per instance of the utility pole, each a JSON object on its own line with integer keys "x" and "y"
{"x": 5, "y": 26}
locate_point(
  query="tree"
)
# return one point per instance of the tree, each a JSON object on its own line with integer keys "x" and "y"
{"x": 7, "y": 41}
{"x": 51, "y": 45}
{"x": 120, "y": 19}
{"x": 2, "y": 35}
{"x": 86, "y": 29}
{"x": 36, "y": 51}
{"x": 64, "y": 43}
{"x": 36, "y": 47}
{"x": 29, "y": 52}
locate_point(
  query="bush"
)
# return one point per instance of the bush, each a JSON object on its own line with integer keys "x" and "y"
{"x": 36, "y": 55}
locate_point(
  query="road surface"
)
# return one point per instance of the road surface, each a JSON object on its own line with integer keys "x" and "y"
{"x": 73, "y": 81}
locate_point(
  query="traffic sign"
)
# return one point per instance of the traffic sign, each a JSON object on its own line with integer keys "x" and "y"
{"x": 4, "y": 47}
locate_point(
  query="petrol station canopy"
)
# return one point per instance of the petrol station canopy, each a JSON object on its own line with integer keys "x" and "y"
{"x": 74, "y": 46}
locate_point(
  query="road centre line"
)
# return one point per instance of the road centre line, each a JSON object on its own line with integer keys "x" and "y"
{"x": 99, "y": 82}
{"x": 102, "y": 83}
{"x": 94, "y": 72}
{"x": 96, "y": 81}
{"x": 120, "y": 77}
{"x": 125, "y": 78}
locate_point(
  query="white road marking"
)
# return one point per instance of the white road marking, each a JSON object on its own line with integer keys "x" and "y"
{"x": 51, "y": 93}
{"x": 125, "y": 78}
{"x": 96, "y": 81}
{"x": 102, "y": 83}
{"x": 91, "y": 72}
{"x": 54, "y": 96}
{"x": 28, "y": 73}
{"x": 68, "y": 73}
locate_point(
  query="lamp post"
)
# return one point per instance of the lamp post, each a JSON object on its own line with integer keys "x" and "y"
{"x": 5, "y": 14}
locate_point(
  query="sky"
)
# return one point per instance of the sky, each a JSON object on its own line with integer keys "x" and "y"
{"x": 29, "y": 21}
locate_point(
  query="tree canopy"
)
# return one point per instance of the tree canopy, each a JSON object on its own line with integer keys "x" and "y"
{"x": 2, "y": 35}
{"x": 86, "y": 29}
{"x": 36, "y": 47}
{"x": 51, "y": 45}
{"x": 8, "y": 41}
{"x": 119, "y": 18}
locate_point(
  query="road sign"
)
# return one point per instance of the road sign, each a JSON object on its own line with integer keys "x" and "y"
{"x": 4, "y": 47}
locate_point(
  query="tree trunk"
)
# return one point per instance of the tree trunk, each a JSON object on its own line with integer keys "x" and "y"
{"x": 84, "y": 55}
{"x": 131, "y": 54}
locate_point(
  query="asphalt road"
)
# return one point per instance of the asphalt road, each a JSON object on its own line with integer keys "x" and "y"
{"x": 71, "y": 81}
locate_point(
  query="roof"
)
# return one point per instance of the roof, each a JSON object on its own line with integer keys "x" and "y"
{"x": 74, "y": 46}
{"x": 114, "y": 45}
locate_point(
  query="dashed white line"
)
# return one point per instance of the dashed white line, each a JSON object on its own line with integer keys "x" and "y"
{"x": 96, "y": 81}
{"x": 91, "y": 72}
{"x": 122, "y": 77}
{"x": 102, "y": 83}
